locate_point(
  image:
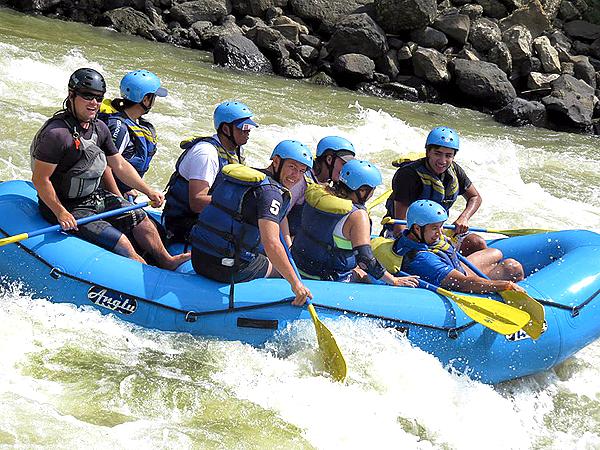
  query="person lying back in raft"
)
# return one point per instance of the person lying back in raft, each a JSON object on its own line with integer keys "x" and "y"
{"x": 439, "y": 178}
{"x": 422, "y": 249}
{"x": 189, "y": 189}
{"x": 69, "y": 155}
{"x": 332, "y": 153}
{"x": 134, "y": 137}
{"x": 248, "y": 208}
{"x": 335, "y": 235}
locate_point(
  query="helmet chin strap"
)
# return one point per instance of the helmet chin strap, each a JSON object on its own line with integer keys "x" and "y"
{"x": 277, "y": 174}
{"x": 362, "y": 199}
{"x": 420, "y": 236}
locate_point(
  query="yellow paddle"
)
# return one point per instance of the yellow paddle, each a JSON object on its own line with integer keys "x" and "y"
{"x": 381, "y": 198}
{"x": 333, "y": 359}
{"x": 516, "y": 232}
{"x": 497, "y": 316}
{"x": 111, "y": 213}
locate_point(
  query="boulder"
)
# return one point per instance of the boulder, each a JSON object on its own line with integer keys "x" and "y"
{"x": 256, "y": 8}
{"x": 595, "y": 48}
{"x": 580, "y": 29}
{"x": 308, "y": 53}
{"x": 567, "y": 68}
{"x": 571, "y": 103}
{"x": 455, "y": 26}
{"x": 212, "y": 34}
{"x": 581, "y": 48}
{"x": 429, "y": 37}
{"x": 289, "y": 68}
{"x": 391, "y": 90}
{"x": 326, "y": 11}
{"x": 358, "y": 33}
{"x": 353, "y": 68}
{"x": 483, "y": 83}
{"x": 271, "y": 42}
{"x": 519, "y": 42}
{"x": 322, "y": 79}
{"x": 522, "y": 112}
{"x": 397, "y": 16}
{"x": 568, "y": 11}
{"x": 210, "y": 10}
{"x": 388, "y": 63}
{"x": 500, "y": 55}
{"x": 484, "y": 34}
{"x": 309, "y": 39}
{"x": 583, "y": 70}
{"x": 551, "y": 8}
{"x": 493, "y": 8}
{"x": 537, "y": 80}
{"x": 474, "y": 12}
{"x": 468, "y": 54}
{"x": 238, "y": 52}
{"x": 128, "y": 20}
{"x": 35, "y": 5}
{"x": 547, "y": 54}
{"x": 531, "y": 16}
{"x": 431, "y": 65}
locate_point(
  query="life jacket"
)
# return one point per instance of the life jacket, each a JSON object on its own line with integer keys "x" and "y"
{"x": 317, "y": 251}
{"x": 83, "y": 177}
{"x": 177, "y": 206}
{"x": 221, "y": 230}
{"x": 433, "y": 189}
{"x": 443, "y": 248}
{"x": 141, "y": 149}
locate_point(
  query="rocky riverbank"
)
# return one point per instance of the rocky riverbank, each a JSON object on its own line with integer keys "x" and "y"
{"x": 524, "y": 61}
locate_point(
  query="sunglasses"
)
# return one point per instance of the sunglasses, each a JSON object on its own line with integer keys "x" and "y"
{"x": 89, "y": 96}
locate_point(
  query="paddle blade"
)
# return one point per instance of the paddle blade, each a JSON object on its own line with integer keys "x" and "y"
{"x": 497, "y": 316}
{"x": 334, "y": 361}
{"x": 13, "y": 239}
{"x": 519, "y": 231}
{"x": 526, "y": 303}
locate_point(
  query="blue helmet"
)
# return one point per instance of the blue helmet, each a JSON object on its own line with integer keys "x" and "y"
{"x": 424, "y": 212}
{"x": 293, "y": 150}
{"x": 356, "y": 173}
{"x": 230, "y": 112}
{"x": 444, "y": 137}
{"x": 135, "y": 85}
{"x": 336, "y": 144}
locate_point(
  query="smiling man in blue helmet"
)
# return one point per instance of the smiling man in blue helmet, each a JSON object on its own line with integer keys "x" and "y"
{"x": 422, "y": 249}
{"x": 189, "y": 189}
{"x": 439, "y": 178}
{"x": 332, "y": 153}
{"x": 335, "y": 236}
{"x": 248, "y": 208}
{"x": 134, "y": 137}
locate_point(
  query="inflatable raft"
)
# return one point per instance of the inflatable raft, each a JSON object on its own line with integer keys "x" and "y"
{"x": 563, "y": 274}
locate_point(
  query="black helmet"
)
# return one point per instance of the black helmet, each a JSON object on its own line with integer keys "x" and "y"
{"x": 87, "y": 79}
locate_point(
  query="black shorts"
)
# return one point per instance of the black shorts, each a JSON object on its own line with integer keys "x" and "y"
{"x": 106, "y": 232}
{"x": 211, "y": 267}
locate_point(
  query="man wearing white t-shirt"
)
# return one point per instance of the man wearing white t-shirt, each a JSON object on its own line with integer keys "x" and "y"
{"x": 198, "y": 166}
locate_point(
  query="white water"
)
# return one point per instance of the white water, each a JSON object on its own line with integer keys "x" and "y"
{"x": 73, "y": 378}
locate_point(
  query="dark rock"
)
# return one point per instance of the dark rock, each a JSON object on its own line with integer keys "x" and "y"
{"x": 567, "y": 68}
{"x": 380, "y": 78}
{"x": 500, "y": 55}
{"x": 455, "y": 26}
{"x": 353, "y": 68}
{"x": 429, "y": 37}
{"x": 571, "y": 103}
{"x": 210, "y": 10}
{"x": 326, "y": 11}
{"x": 568, "y": 11}
{"x": 255, "y": 7}
{"x": 289, "y": 68}
{"x": 309, "y": 39}
{"x": 531, "y": 64}
{"x": 272, "y": 13}
{"x": 473, "y": 11}
{"x": 581, "y": 48}
{"x": 584, "y": 71}
{"x": 212, "y": 34}
{"x": 35, "y": 5}
{"x": 358, "y": 33}
{"x": 238, "y": 52}
{"x": 425, "y": 90}
{"x": 395, "y": 42}
{"x": 406, "y": 52}
{"x": 396, "y": 16}
{"x": 289, "y": 31}
{"x": 128, "y": 20}
{"x": 180, "y": 37}
{"x": 484, "y": 34}
{"x": 537, "y": 80}
{"x": 521, "y": 112}
{"x": 580, "y": 29}
{"x": 483, "y": 83}
{"x": 308, "y": 53}
{"x": 390, "y": 90}
{"x": 547, "y": 54}
{"x": 594, "y": 49}
{"x": 493, "y": 8}
{"x": 468, "y": 54}
{"x": 431, "y": 65}
{"x": 531, "y": 16}
{"x": 321, "y": 78}
{"x": 160, "y": 35}
{"x": 388, "y": 63}
{"x": 519, "y": 42}
{"x": 271, "y": 42}
{"x": 250, "y": 22}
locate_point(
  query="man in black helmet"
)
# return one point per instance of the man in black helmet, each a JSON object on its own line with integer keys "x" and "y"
{"x": 69, "y": 156}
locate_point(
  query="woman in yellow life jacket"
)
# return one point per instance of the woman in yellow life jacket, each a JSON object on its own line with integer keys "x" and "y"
{"x": 335, "y": 234}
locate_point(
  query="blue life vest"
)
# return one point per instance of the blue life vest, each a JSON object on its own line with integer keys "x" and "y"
{"x": 142, "y": 146}
{"x": 407, "y": 248}
{"x": 221, "y": 230}
{"x": 317, "y": 252}
{"x": 177, "y": 207}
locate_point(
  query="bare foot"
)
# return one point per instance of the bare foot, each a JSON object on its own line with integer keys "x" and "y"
{"x": 175, "y": 261}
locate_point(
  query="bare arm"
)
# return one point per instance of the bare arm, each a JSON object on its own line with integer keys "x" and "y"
{"x": 42, "y": 171}
{"x": 399, "y": 213}
{"x": 269, "y": 236}
{"x": 473, "y": 199}
{"x": 285, "y": 231}
{"x": 477, "y": 285}
{"x": 198, "y": 195}
{"x": 109, "y": 182}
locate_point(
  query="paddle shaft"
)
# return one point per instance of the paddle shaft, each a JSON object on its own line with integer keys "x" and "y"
{"x": 448, "y": 226}
{"x": 471, "y": 266}
{"x": 83, "y": 221}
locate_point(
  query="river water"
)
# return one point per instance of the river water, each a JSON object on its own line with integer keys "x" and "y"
{"x": 73, "y": 378}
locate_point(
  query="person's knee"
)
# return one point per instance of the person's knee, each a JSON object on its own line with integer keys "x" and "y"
{"x": 514, "y": 269}
{"x": 475, "y": 242}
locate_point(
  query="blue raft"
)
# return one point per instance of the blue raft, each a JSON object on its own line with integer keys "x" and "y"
{"x": 563, "y": 273}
